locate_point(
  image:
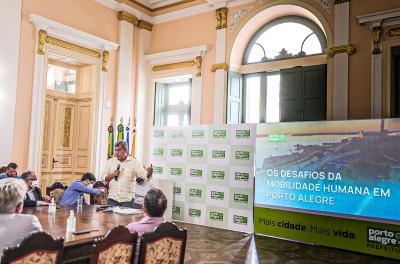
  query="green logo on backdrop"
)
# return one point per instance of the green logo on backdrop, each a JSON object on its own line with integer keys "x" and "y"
{"x": 158, "y": 170}
{"x": 217, "y": 216}
{"x": 219, "y": 133}
{"x": 217, "y": 195}
{"x": 245, "y": 133}
{"x": 240, "y": 198}
{"x": 220, "y": 175}
{"x": 196, "y": 153}
{"x": 276, "y": 137}
{"x": 158, "y": 133}
{"x": 159, "y": 152}
{"x": 194, "y": 212}
{"x": 383, "y": 237}
{"x": 196, "y": 173}
{"x": 239, "y": 220}
{"x": 242, "y": 155}
{"x": 241, "y": 176}
{"x": 177, "y": 134}
{"x": 176, "y": 171}
{"x": 176, "y": 152}
{"x": 218, "y": 154}
{"x": 195, "y": 193}
{"x": 176, "y": 209}
{"x": 198, "y": 134}
{"x": 177, "y": 190}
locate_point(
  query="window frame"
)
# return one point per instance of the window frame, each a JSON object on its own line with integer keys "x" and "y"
{"x": 296, "y": 19}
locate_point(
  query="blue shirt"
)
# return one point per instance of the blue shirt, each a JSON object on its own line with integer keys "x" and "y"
{"x": 75, "y": 190}
{"x": 4, "y": 175}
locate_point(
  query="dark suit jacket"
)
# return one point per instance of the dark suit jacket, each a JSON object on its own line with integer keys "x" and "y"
{"x": 38, "y": 197}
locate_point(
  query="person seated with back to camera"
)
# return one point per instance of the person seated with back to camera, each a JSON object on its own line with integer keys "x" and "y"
{"x": 11, "y": 171}
{"x": 154, "y": 206}
{"x": 78, "y": 188}
{"x": 33, "y": 196}
{"x": 14, "y": 226}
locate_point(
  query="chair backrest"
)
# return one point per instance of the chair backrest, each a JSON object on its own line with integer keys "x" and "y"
{"x": 166, "y": 244}
{"x": 57, "y": 194}
{"x": 36, "y": 248}
{"x": 118, "y": 246}
{"x": 100, "y": 199}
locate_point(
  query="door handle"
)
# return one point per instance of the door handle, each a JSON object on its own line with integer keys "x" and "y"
{"x": 54, "y": 161}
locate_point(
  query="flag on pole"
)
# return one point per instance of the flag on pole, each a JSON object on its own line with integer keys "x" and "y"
{"x": 133, "y": 139}
{"x": 110, "y": 152}
{"x": 127, "y": 134}
{"x": 120, "y": 129}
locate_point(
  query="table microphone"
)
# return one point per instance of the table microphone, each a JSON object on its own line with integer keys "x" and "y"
{"x": 118, "y": 167}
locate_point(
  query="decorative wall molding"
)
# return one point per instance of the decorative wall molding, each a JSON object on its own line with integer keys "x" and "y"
{"x": 394, "y": 32}
{"x": 104, "y": 61}
{"x": 326, "y": 4}
{"x": 377, "y": 39}
{"x": 349, "y": 49}
{"x": 383, "y": 18}
{"x": 337, "y": 2}
{"x": 222, "y": 17}
{"x": 176, "y": 55}
{"x": 197, "y": 62}
{"x": 145, "y": 25}
{"x": 219, "y": 66}
{"x": 235, "y": 17}
{"x": 125, "y": 16}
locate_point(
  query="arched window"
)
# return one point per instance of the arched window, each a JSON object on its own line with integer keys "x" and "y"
{"x": 283, "y": 38}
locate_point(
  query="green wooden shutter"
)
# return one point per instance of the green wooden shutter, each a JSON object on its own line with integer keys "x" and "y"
{"x": 290, "y": 95}
{"x": 235, "y": 95}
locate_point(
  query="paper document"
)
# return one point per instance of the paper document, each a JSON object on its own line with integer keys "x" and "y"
{"x": 126, "y": 211}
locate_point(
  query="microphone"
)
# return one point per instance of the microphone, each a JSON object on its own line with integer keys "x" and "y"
{"x": 118, "y": 167}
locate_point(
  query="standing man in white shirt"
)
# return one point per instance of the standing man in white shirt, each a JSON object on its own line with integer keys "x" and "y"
{"x": 121, "y": 173}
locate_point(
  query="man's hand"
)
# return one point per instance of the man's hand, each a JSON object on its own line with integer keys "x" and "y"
{"x": 46, "y": 198}
{"x": 113, "y": 175}
{"x": 149, "y": 171}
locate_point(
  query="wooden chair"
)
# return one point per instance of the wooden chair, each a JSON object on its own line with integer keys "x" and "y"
{"x": 118, "y": 246}
{"x": 37, "y": 248}
{"x": 166, "y": 244}
{"x": 100, "y": 199}
{"x": 57, "y": 194}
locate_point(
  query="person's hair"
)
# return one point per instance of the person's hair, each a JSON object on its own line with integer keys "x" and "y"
{"x": 99, "y": 184}
{"x": 12, "y": 165}
{"x": 88, "y": 176}
{"x": 12, "y": 192}
{"x": 3, "y": 169}
{"x": 155, "y": 203}
{"x": 25, "y": 176}
{"x": 122, "y": 144}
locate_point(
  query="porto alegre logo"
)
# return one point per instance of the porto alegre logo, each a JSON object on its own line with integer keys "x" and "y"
{"x": 384, "y": 237}
{"x": 176, "y": 209}
{"x": 276, "y": 138}
{"x": 198, "y": 134}
{"x": 241, "y": 176}
{"x": 240, "y": 198}
{"x": 217, "y": 195}
{"x": 158, "y": 133}
{"x": 245, "y": 133}
{"x": 158, "y": 152}
{"x": 218, "y": 154}
{"x": 177, "y": 190}
{"x": 240, "y": 220}
{"x": 195, "y": 193}
{"x": 194, "y": 212}
{"x": 242, "y": 155}
{"x": 218, "y": 175}
{"x": 220, "y": 133}
{"x": 196, "y": 173}
{"x": 196, "y": 153}
{"x": 158, "y": 170}
{"x": 176, "y": 171}
{"x": 176, "y": 152}
{"x": 217, "y": 216}
{"x": 177, "y": 134}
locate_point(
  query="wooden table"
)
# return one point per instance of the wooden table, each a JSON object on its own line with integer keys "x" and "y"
{"x": 77, "y": 249}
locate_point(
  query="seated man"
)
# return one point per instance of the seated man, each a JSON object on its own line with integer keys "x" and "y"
{"x": 11, "y": 171}
{"x": 14, "y": 226}
{"x": 78, "y": 188}
{"x": 33, "y": 197}
{"x": 154, "y": 206}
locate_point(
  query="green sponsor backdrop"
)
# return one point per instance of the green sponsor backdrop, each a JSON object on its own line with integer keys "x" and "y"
{"x": 362, "y": 236}
{"x": 208, "y": 164}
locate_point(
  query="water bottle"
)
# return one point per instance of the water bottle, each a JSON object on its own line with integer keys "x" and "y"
{"x": 52, "y": 206}
{"x": 71, "y": 222}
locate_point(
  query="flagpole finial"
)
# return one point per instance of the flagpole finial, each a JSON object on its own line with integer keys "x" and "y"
{"x": 122, "y": 119}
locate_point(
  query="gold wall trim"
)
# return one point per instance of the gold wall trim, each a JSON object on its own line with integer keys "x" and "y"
{"x": 104, "y": 60}
{"x": 349, "y": 49}
{"x": 161, "y": 7}
{"x": 219, "y": 66}
{"x": 174, "y": 66}
{"x": 145, "y": 25}
{"x": 222, "y": 17}
{"x": 336, "y": 2}
{"x": 41, "y": 41}
{"x": 198, "y": 62}
{"x": 394, "y": 32}
{"x": 122, "y": 15}
{"x": 377, "y": 38}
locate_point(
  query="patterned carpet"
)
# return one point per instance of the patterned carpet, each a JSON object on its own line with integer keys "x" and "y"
{"x": 218, "y": 246}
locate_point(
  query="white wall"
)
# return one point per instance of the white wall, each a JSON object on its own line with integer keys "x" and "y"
{"x": 10, "y": 21}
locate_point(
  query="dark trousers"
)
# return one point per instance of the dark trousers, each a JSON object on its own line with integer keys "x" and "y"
{"x": 130, "y": 204}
